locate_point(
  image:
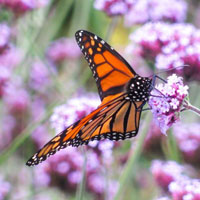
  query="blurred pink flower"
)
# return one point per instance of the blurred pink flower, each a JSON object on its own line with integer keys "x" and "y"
{"x": 75, "y": 108}
{"x": 166, "y": 102}
{"x": 39, "y": 76}
{"x": 150, "y": 38}
{"x": 169, "y": 46}
{"x": 4, "y": 35}
{"x": 144, "y": 11}
{"x": 188, "y": 140}
{"x": 16, "y": 97}
{"x": 5, "y": 188}
{"x": 183, "y": 49}
{"x": 62, "y": 49}
{"x": 113, "y": 7}
{"x": 165, "y": 172}
{"x": 163, "y": 198}
{"x": 8, "y": 125}
{"x": 23, "y": 6}
{"x": 10, "y": 57}
{"x": 186, "y": 189}
{"x": 40, "y": 135}
{"x": 37, "y": 107}
{"x": 4, "y": 79}
{"x": 96, "y": 183}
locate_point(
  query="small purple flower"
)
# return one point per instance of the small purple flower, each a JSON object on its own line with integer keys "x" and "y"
{"x": 186, "y": 189}
{"x": 76, "y": 108}
{"x": 144, "y": 11}
{"x": 96, "y": 183}
{"x": 4, "y": 35}
{"x": 62, "y": 49}
{"x": 39, "y": 76}
{"x": 10, "y": 57}
{"x": 8, "y": 125}
{"x": 16, "y": 97}
{"x": 37, "y": 107}
{"x": 166, "y": 172}
{"x": 166, "y": 102}
{"x": 113, "y": 7}
{"x": 5, "y": 188}
{"x": 40, "y": 136}
{"x": 74, "y": 177}
{"x": 42, "y": 177}
{"x": 188, "y": 140}
{"x": 4, "y": 79}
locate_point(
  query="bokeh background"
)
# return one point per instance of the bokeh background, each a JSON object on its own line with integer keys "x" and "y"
{"x": 46, "y": 85}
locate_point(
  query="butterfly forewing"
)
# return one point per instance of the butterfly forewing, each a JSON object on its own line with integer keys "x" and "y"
{"x": 110, "y": 70}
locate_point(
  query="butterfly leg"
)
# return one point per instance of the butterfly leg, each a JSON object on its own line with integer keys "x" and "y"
{"x": 156, "y": 76}
{"x": 145, "y": 109}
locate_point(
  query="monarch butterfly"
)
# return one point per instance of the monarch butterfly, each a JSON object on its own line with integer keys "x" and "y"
{"x": 123, "y": 94}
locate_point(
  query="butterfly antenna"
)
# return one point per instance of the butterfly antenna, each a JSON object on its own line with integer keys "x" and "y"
{"x": 182, "y": 66}
{"x": 154, "y": 76}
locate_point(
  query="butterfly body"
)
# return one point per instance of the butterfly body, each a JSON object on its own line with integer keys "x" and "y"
{"x": 123, "y": 94}
{"x": 139, "y": 89}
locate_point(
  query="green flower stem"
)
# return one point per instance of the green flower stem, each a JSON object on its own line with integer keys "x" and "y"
{"x": 135, "y": 153}
{"x": 172, "y": 148}
{"x": 81, "y": 16}
{"x": 111, "y": 28}
{"x": 188, "y": 106}
{"x": 81, "y": 188}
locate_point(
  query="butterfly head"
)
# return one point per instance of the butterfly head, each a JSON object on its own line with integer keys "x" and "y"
{"x": 139, "y": 88}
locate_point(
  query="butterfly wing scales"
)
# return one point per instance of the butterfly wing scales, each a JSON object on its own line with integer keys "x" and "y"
{"x": 109, "y": 120}
{"x": 110, "y": 70}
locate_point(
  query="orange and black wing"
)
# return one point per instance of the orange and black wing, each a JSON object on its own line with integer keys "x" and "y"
{"x": 116, "y": 120}
{"x": 110, "y": 70}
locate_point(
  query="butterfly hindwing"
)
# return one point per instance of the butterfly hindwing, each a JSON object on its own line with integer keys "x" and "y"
{"x": 116, "y": 120}
{"x": 110, "y": 70}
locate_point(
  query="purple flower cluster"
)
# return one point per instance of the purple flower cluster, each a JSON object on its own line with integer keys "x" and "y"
{"x": 175, "y": 179}
{"x": 5, "y": 33}
{"x": 5, "y": 188}
{"x": 143, "y": 11}
{"x": 39, "y": 76}
{"x": 183, "y": 49}
{"x": 170, "y": 46}
{"x": 150, "y": 38}
{"x": 185, "y": 189}
{"x": 188, "y": 140}
{"x": 10, "y": 57}
{"x": 75, "y": 108}
{"x": 166, "y": 102}
{"x": 63, "y": 48}
{"x": 16, "y": 97}
{"x": 113, "y": 7}
{"x": 23, "y": 6}
{"x": 166, "y": 172}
